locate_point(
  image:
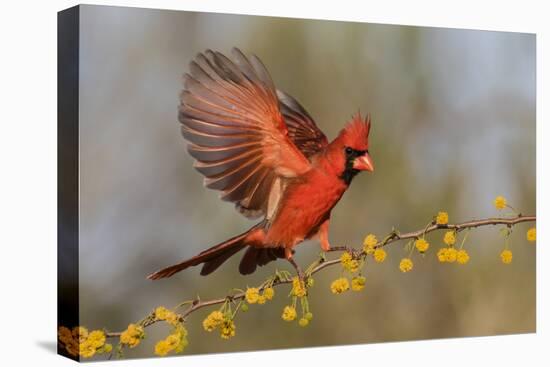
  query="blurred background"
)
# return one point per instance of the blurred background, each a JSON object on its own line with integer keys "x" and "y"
{"x": 453, "y": 126}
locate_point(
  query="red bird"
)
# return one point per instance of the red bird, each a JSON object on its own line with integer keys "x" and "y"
{"x": 264, "y": 152}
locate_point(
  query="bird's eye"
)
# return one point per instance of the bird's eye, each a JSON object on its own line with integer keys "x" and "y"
{"x": 349, "y": 150}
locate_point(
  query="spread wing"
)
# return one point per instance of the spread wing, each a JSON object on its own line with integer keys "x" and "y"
{"x": 244, "y": 141}
{"x": 302, "y": 129}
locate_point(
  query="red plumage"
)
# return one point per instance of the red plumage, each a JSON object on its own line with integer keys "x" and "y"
{"x": 264, "y": 152}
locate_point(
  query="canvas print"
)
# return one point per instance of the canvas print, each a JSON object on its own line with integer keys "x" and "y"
{"x": 241, "y": 183}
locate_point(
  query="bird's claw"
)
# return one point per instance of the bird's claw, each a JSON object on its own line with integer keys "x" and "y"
{"x": 299, "y": 270}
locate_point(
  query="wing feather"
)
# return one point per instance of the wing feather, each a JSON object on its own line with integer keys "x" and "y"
{"x": 301, "y": 127}
{"x": 243, "y": 133}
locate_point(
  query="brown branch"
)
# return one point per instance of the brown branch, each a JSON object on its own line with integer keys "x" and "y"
{"x": 393, "y": 236}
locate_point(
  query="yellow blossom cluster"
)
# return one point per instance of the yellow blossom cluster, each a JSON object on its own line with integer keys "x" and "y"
{"x": 506, "y": 256}
{"x": 421, "y": 245}
{"x": 227, "y": 329}
{"x": 217, "y": 319}
{"x": 500, "y": 202}
{"x": 252, "y": 295}
{"x": 358, "y": 283}
{"x": 132, "y": 335}
{"x": 462, "y": 257}
{"x": 176, "y": 341}
{"x": 379, "y": 255}
{"x": 368, "y": 243}
{"x": 405, "y": 265}
{"x": 298, "y": 287}
{"x": 65, "y": 337}
{"x": 163, "y": 314}
{"x": 269, "y": 293}
{"x": 340, "y": 285}
{"x": 442, "y": 218}
{"x": 532, "y": 234}
{"x": 447, "y": 255}
{"x": 450, "y": 255}
{"x": 349, "y": 263}
{"x": 449, "y": 238}
{"x": 213, "y": 320}
{"x": 289, "y": 313}
{"x": 81, "y": 342}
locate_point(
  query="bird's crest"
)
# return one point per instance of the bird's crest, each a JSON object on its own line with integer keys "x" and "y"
{"x": 356, "y": 132}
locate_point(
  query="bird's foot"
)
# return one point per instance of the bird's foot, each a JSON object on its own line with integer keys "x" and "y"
{"x": 299, "y": 271}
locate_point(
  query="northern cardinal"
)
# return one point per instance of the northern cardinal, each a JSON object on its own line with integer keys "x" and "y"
{"x": 264, "y": 152}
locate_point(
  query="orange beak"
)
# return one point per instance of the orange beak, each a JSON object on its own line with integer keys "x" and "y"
{"x": 363, "y": 163}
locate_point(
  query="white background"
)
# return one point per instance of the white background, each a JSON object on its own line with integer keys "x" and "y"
{"x": 28, "y": 160}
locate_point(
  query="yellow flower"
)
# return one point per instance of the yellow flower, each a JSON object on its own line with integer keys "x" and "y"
{"x": 289, "y": 313}
{"x": 80, "y": 333}
{"x": 450, "y": 255}
{"x": 86, "y": 349}
{"x": 162, "y": 348}
{"x": 340, "y": 285}
{"x": 442, "y": 255}
{"x": 303, "y": 322}
{"x": 349, "y": 263}
{"x": 125, "y": 338}
{"x": 421, "y": 245}
{"x": 172, "y": 318}
{"x": 379, "y": 255}
{"x": 176, "y": 341}
{"x": 353, "y": 266}
{"x": 405, "y": 265}
{"x": 182, "y": 330}
{"x": 449, "y": 238}
{"x": 308, "y": 316}
{"x": 213, "y": 320}
{"x": 261, "y": 299}
{"x": 251, "y": 295}
{"x": 182, "y": 341}
{"x": 358, "y": 283}
{"x": 532, "y": 234}
{"x": 506, "y": 256}
{"x": 500, "y": 202}
{"x": 181, "y": 346}
{"x": 269, "y": 293}
{"x": 462, "y": 257}
{"x": 345, "y": 258}
{"x": 173, "y": 340}
{"x": 64, "y": 335}
{"x": 161, "y": 313}
{"x": 368, "y": 243}
{"x": 442, "y": 218}
{"x": 96, "y": 338}
{"x": 132, "y": 335}
{"x": 298, "y": 287}
{"x": 227, "y": 329}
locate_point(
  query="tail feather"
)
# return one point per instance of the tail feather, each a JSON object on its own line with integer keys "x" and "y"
{"x": 212, "y": 258}
{"x": 212, "y": 265}
{"x": 254, "y": 257}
